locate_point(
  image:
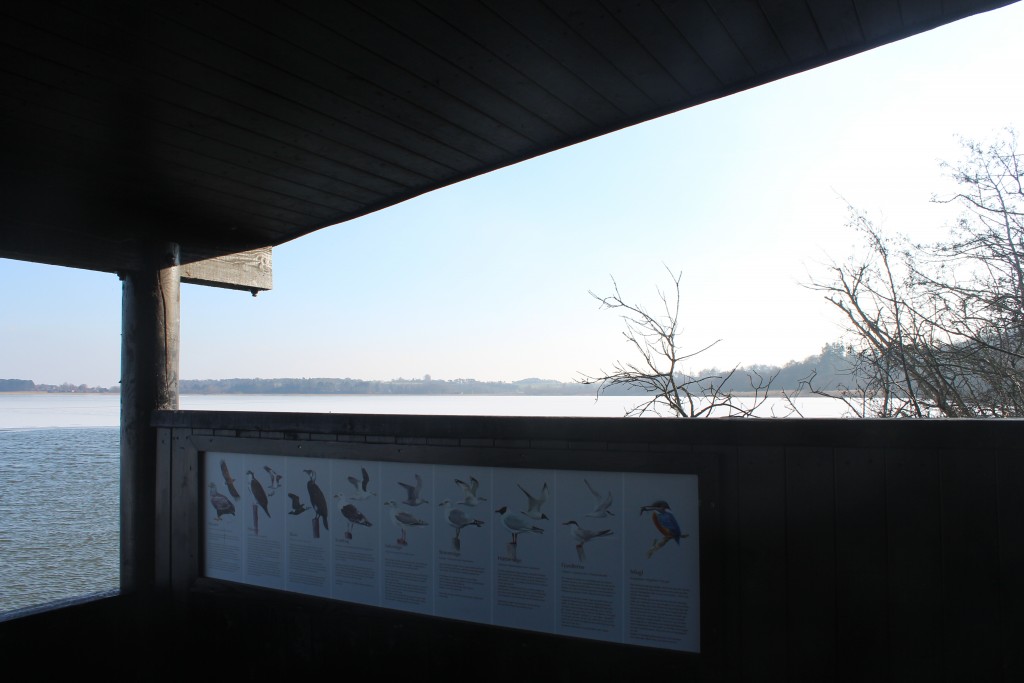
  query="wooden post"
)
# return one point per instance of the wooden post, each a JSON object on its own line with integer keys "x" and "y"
{"x": 149, "y": 381}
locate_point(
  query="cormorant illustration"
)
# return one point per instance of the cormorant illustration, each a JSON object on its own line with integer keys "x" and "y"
{"x": 317, "y": 500}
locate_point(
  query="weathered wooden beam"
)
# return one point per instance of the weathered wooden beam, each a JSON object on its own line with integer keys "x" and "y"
{"x": 149, "y": 381}
{"x": 247, "y": 270}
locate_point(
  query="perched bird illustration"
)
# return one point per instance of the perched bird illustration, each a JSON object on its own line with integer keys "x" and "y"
{"x": 516, "y": 524}
{"x": 471, "y": 498}
{"x": 412, "y": 493}
{"x": 403, "y": 520}
{"x": 601, "y": 502}
{"x": 317, "y": 500}
{"x": 666, "y": 524}
{"x": 298, "y": 507}
{"x": 458, "y": 519}
{"x": 353, "y": 516}
{"x": 222, "y": 505}
{"x": 258, "y": 494}
{"x": 583, "y": 536}
{"x": 229, "y": 481}
{"x": 275, "y": 480}
{"x": 360, "y": 486}
{"x": 534, "y": 503}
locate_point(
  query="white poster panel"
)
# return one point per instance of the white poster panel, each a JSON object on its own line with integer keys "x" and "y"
{"x": 357, "y": 507}
{"x": 523, "y": 545}
{"x": 407, "y": 538}
{"x": 662, "y": 558}
{"x": 462, "y": 542}
{"x": 309, "y": 525}
{"x": 222, "y": 517}
{"x": 590, "y": 555}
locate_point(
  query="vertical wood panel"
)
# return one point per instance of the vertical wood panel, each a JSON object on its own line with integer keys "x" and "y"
{"x": 862, "y": 629}
{"x": 1010, "y": 510}
{"x": 761, "y": 504}
{"x": 731, "y": 653}
{"x": 185, "y": 532}
{"x": 811, "y": 563}
{"x": 162, "y": 537}
{"x": 970, "y": 601}
{"x": 914, "y": 544}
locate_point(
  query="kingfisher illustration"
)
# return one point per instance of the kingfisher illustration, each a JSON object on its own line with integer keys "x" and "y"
{"x": 666, "y": 524}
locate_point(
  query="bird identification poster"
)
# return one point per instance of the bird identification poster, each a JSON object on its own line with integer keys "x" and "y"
{"x": 612, "y": 556}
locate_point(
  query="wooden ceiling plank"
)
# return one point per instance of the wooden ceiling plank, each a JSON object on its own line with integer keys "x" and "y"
{"x": 701, "y": 28}
{"x": 837, "y": 23}
{"x": 250, "y": 271}
{"x": 483, "y": 80}
{"x": 606, "y": 34}
{"x": 536, "y": 80}
{"x": 390, "y": 60}
{"x": 303, "y": 76}
{"x": 220, "y": 100}
{"x": 879, "y": 19}
{"x": 651, "y": 27}
{"x": 796, "y": 29}
{"x": 557, "y": 39}
{"x": 748, "y": 27}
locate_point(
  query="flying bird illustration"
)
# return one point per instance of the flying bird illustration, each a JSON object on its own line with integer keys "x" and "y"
{"x": 258, "y": 494}
{"x": 275, "y": 480}
{"x": 403, "y": 520}
{"x": 318, "y": 501}
{"x": 222, "y": 505}
{"x": 470, "y": 490}
{"x": 229, "y": 481}
{"x": 412, "y": 493}
{"x": 458, "y": 520}
{"x": 583, "y": 536}
{"x": 666, "y": 524}
{"x": 360, "y": 486}
{"x": 353, "y": 516}
{"x": 516, "y": 524}
{"x": 534, "y": 503}
{"x": 298, "y": 507}
{"x": 601, "y": 502}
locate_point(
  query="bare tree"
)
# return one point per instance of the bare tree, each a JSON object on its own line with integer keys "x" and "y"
{"x": 937, "y": 329}
{"x": 659, "y": 373}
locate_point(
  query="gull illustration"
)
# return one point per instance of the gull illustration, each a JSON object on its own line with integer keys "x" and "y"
{"x": 222, "y": 505}
{"x": 298, "y": 507}
{"x": 666, "y": 524}
{"x": 318, "y": 501}
{"x": 458, "y": 520}
{"x": 275, "y": 480}
{"x": 534, "y": 503}
{"x": 582, "y": 536}
{"x": 353, "y": 516}
{"x": 360, "y": 486}
{"x": 601, "y": 503}
{"x": 229, "y": 481}
{"x": 471, "y": 499}
{"x": 412, "y": 493}
{"x": 516, "y": 524}
{"x": 403, "y": 520}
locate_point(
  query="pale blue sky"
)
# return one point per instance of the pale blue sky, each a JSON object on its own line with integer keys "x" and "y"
{"x": 489, "y": 278}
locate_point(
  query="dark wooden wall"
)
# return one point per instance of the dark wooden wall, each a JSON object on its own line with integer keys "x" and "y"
{"x": 831, "y": 550}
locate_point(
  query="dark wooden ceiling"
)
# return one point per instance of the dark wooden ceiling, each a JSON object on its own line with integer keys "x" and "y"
{"x": 229, "y": 125}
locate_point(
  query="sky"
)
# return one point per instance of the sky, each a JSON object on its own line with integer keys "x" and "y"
{"x": 491, "y": 278}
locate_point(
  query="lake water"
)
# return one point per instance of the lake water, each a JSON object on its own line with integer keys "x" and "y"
{"x": 60, "y": 471}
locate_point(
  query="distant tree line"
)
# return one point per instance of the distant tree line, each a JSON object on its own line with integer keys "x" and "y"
{"x": 9, "y": 385}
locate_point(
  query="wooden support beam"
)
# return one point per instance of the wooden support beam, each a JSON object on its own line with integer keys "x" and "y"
{"x": 247, "y": 270}
{"x": 149, "y": 381}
